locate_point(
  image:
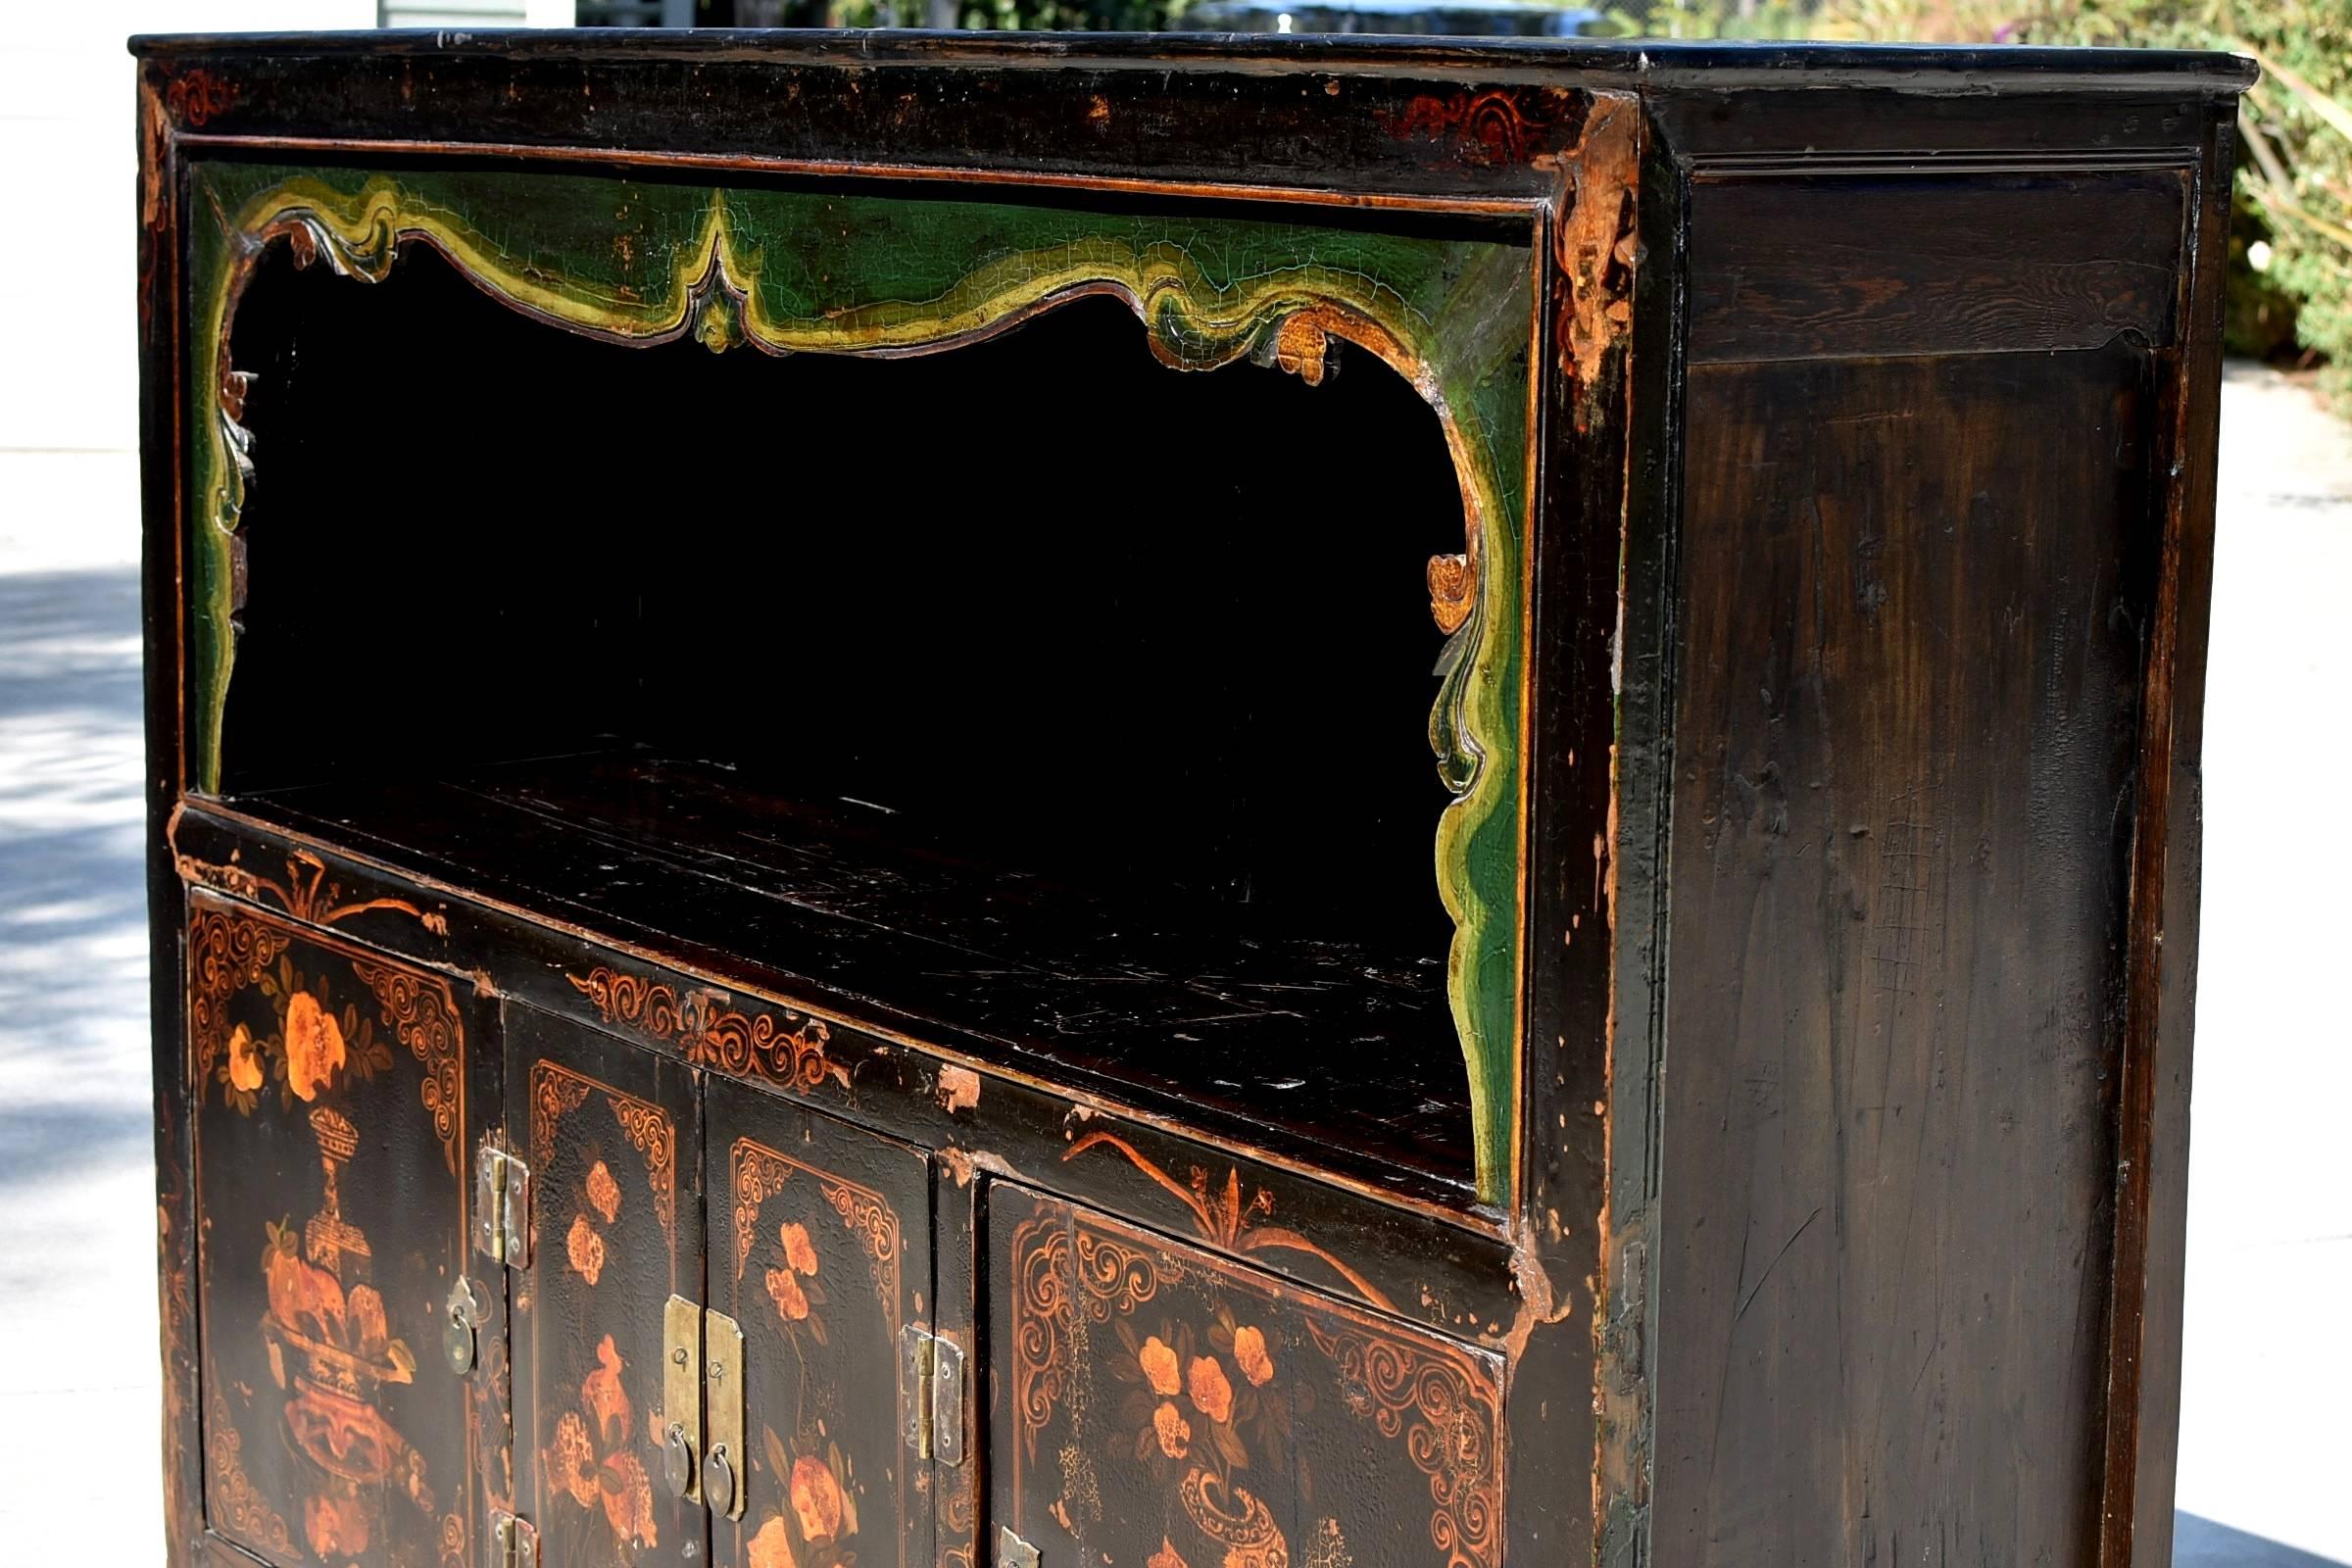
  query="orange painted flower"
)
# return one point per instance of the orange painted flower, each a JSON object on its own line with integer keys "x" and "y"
{"x": 572, "y": 1459}
{"x": 1159, "y": 1366}
{"x": 313, "y": 1046}
{"x": 1209, "y": 1390}
{"x": 244, "y": 1062}
{"x": 815, "y": 1499}
{"x": 628, "y": 1499}
{"x": 1166, "y": 1556}
{"x": 605, "y": 1400}
{"x": 797, "y": 1249}
{"x": 603, "y": 1192}
{"x": 1250, "y": 1355}
{"x": 585, "y": 1249}
{"x": 771, "y": 1547}
{"x": 1175, "y": 1432}
{"x": 784, "y": 1289}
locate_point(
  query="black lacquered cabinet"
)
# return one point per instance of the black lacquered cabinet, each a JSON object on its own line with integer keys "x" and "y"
{"x": 1175, "y": 802}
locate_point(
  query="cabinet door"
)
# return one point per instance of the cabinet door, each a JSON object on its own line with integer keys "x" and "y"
{"x": 335, "y": 1118}
{"x": 609, "y": 1131}
{"x": 821, "y": 1247}
{"x": 1158, "y": 1406}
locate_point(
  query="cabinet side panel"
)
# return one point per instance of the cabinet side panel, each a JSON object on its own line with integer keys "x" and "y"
{"x": 1917, "y": 594}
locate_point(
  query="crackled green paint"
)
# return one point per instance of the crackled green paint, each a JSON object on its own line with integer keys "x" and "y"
{"x": 645, "y": 261}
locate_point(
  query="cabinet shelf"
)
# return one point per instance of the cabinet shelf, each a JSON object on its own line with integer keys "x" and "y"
{"x": 1321, "y": 1047}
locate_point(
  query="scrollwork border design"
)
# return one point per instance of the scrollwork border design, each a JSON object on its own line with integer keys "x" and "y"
{"x": 423, "y": 1015}
{"x": 1049, "y": 1253}
{"x": 742, "y": 1044}
{"x": 1449, "y": 1415}
{"x": 758, "y": 1173}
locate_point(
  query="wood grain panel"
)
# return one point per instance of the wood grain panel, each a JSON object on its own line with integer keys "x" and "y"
{"x": 1916, "y": 596}
{"x": 1879, "y": 264}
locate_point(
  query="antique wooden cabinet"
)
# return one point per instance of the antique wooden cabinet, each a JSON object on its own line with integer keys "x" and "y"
{"x": 1175, "y": 802}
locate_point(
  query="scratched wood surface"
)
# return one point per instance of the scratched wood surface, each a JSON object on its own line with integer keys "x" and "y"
{"x": 1908, "y": 718}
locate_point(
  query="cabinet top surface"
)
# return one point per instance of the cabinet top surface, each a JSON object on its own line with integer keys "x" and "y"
{"x": 1935, "y": 70}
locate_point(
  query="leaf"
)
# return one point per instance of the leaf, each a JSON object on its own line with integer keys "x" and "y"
{"x": 816, "y": 1329}
{"x": 779, "y": 1463}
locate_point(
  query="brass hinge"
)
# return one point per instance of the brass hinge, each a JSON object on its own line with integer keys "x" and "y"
{"x": 932, "y": 1395}
{"x": 502, "y": 1205}
{"x": 513, "y": 1542}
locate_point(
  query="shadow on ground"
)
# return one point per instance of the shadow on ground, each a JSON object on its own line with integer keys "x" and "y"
{"x": 2202, "y": 1544}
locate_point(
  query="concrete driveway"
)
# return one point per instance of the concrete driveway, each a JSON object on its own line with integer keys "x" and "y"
{"x": 2266, "y": 1460}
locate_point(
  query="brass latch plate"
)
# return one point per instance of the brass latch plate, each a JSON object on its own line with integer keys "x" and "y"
{"x": 682, "y": 1396}
{"x": 723, "y": 1380}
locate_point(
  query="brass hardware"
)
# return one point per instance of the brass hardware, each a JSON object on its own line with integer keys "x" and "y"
{"x": 502, "y": 1206}
{"x": 931, "y": 1394}
{"x": 513, "y": 1542}
{"x": 466, "y": 1312}
{"x": 678, "y": 1461}
{"x": 682, "y": 1396}
{"x": 1012, "y": 1551}
{"x": 723, "y": 1364}
{"x": 718, "y": 1480}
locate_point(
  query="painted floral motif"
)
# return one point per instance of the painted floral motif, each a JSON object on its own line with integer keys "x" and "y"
{"x": 1211, "y": 1393}
{"x": 785, "y": 1290}
{"x": 771, "y": 1547}
{"x": 314, "y": 1048}
{"x": 797, "y": 1251}
{"x": 821, "y": 1511}
{"x": 628, "y": 1499}
{"x": 1159, "y": 1366}
{"x": 584, "y": 1249}
{"x": 1196, "y": 1425}
{"x": 793, "y": 1287}
{"x": 603, "y": 1193}
{"x": 1250, "y": 1355}
{"x": 815, "y": 1499}
{"x": 244, "y": 1061}
{"x": 1175, "y": 1433}
{"x": 572, "y": 1459}
{"x": 590, "y": 1458}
